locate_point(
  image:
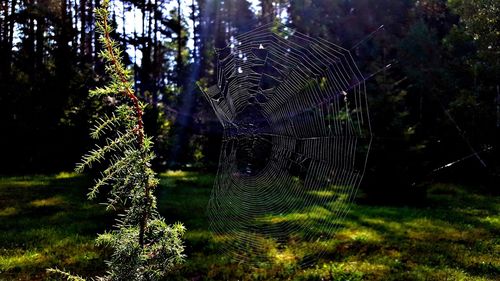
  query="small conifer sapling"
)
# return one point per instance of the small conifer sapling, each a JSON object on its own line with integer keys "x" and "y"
{"x": 144, "y": 246}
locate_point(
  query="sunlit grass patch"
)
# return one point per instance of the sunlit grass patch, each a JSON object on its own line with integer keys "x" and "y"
{"x": 66, "y": 175}
{"x": 16, "y": 182}
{"x": 360, "y": 234}
{"x": 314, "y": 212}
{"x": 323, "y": 193}
{"x": 51, "y": 201}
{"x": 282, "y": 256}
{"x": 21, "y": 260}
{"x": 9, "y": 211}
{"x": 175, "y": 174}
{"x": 494, "y": 221}
{"x": 188, "y": 179}
{"x": 179, "y": 175}
{"x": 26, "y": 264}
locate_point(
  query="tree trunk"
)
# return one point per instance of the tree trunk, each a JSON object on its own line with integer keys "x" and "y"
{"x": 75, "y": 24}
{"x": 30, "y": 43}
{"x": 96, "y": 37}
{"x": 83, "y": 25}
{"x": 7, "y": 27}
{"x": 267, "y": 11}
{"x": 179, "y": 44}
{"x": 40, "y": 42}
{"x": 157, "y": 60}
{"x": 3, "y": 22}
{"x": 90, "y": 34}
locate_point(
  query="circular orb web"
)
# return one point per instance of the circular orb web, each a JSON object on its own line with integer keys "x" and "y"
{"x": 295, "y": 143}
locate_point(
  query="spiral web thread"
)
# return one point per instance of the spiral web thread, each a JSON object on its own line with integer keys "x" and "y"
{"x": 295, "y": 142}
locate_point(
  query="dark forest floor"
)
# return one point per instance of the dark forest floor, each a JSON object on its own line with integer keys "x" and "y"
{"x": 46, "y": 221}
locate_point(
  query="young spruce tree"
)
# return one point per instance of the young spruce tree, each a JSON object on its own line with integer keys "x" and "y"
{"x": 144, "y": 246}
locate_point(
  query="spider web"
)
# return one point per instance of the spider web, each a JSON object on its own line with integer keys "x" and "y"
{"x": 295, "y": 143}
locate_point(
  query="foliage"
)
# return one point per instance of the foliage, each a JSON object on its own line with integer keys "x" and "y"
{"x": 443, "y": 76}
{"x": 144, "y": 246}
{"x": 481, "y": 22}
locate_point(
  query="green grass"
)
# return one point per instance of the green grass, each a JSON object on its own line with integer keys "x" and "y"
{"x": 46, "y": 221}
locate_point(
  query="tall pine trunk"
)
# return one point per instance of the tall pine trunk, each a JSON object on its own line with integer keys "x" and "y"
{"x": 83, "y": 25}
{"x": 179, "y": 45}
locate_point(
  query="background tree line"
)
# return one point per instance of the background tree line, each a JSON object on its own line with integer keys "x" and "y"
{"x": 437, "y": 104}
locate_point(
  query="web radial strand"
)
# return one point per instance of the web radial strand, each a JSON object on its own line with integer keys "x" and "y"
{"x": 295, "y": 143}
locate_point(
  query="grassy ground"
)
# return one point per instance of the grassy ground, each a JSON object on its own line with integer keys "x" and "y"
{"x": 45, "y": 221}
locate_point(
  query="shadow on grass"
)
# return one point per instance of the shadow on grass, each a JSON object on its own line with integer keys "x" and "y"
{"x": 453, "y": 238}
{"x": 46, "y": 221}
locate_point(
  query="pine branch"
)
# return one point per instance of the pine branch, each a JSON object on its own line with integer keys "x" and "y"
{"x": 66, "y": 275}
{"x": 108, "y": 123}
{"x": 98, "y": 154}
{"x": 117, "y": 168}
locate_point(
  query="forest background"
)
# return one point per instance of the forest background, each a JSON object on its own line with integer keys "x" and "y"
{"x": 435, "y": 111}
